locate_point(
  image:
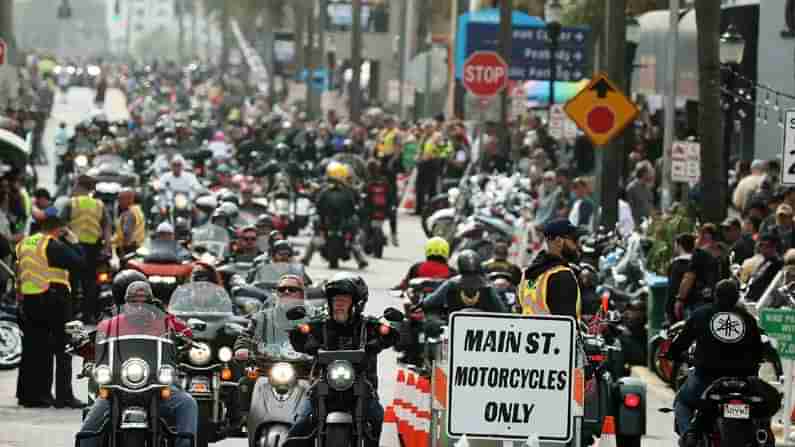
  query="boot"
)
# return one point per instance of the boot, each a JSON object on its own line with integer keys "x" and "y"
{"x": 395, "y": 240}
{"x": 357, "y": 254}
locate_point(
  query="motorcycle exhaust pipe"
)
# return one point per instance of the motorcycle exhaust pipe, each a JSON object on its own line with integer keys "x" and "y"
{"x": 762, "y": 437}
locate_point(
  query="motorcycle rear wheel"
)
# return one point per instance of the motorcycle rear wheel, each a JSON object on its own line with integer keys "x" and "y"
{"x": 10, "y": 344}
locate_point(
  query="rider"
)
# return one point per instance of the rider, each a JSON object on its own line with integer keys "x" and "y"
{"x": 180, "y": 406}
{"x": 121, "y": 281}
{"x": 165, "y": 232}
{"x": 177, "y": 180}
{"x": 246, "y": 249}
{"x": 130, "y": 226}
{"x": 346, "y": 295}
{"x": 728, "y": 344}
{"x": 381, "y": 201}
{"x": 551, "y": 276}
{"x": 336, "y": 205}
{"x": 437, "y": 250}
{"x": 468, "y": 289}
{"x": 500, "y": 263}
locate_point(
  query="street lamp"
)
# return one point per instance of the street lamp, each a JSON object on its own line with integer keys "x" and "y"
{"x": 633, "y": 40}
{"x": 553, "y": 12}
{"x": 732, "y": 47}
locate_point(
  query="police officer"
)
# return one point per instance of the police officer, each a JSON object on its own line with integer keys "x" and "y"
{"x": 130, "y": 226}
{"x": 87, "y": 219}
{"x": 44, "y": 262}
{"x": 728, "y": 344}
{"x": 469, "y": 289}
{"x": 549, "y": 285}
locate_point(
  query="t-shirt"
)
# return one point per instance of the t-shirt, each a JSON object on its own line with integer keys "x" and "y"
{"x": 706, "y": 269}
{"x": 186, "y": 183}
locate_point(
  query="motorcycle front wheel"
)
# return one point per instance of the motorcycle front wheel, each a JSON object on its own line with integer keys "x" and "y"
{"x": 10, "y": 344}
{"x": 338, "y": 435}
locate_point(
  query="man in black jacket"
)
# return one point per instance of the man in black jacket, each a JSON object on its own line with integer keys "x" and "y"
{"x": 728, "y": 344}
{"x": 347, "y": 295}
{"x": 763, "y": 274}
{"x": 469, "y": 289}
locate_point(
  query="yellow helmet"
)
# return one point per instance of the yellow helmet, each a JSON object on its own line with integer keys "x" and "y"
{"x": 338, "y": 171}
{"x": 437, "y": 246}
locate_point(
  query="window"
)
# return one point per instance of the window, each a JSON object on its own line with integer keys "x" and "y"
{"x": 375, "y": 15}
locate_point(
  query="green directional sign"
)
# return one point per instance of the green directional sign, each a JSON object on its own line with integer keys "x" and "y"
{"x": 780, "y": 324}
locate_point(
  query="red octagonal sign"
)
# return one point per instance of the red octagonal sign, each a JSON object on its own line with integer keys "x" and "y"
{"x": 485, "y": 73}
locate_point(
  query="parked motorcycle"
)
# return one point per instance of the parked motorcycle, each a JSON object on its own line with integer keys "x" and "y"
{"x": 206, "y": 372}
{"x": 10, "y": 336}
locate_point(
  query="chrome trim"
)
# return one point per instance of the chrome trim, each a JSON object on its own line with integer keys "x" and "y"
{"x": 190, "y": 366}
{"x": 230, "y": 384}
{"x": 339, "y": 417}
{"x": 216, "y": 396}
{"x": 136, "y": 337}
{"x": 129, "y": 383}
{"x": 139, "y": 390}
{"x": 137, "y": 411}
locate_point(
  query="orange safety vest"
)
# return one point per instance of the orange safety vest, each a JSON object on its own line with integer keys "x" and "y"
{"x": 533, "y": 295}
{"x": 86, "y": 219}
{"x": 34, "y": 272}
{"x": 139, "y": 234}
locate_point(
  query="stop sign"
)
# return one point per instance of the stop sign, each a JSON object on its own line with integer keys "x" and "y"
{"x": 485, "y": 73}
{"x": 3, "y": 48}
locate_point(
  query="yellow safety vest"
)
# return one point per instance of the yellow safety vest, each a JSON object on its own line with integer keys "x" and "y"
{"x": 533, "y": 296}
{"x": 34, "y": 272}
{"x": 387, "y": 145}
{"x": 86, "y": 219}
{"x": 139, "y": 234}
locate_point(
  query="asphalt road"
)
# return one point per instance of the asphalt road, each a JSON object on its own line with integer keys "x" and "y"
{"x": 56, "y": 428}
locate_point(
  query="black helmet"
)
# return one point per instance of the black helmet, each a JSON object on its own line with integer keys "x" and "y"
{"x": 348, "y": 284}
{"x": 282, "y": 245}
{"x": 468, "y": 262}
{"x": 121, "y": 281}
{"x": 229, "y": 196}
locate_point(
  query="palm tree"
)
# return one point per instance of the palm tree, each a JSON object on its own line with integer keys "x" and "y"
{"x": 714, "y": 187}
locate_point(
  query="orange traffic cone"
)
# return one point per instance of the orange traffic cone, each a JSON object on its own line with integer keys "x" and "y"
{"x": 423, "y": 413}
{"x": 389, "y": 432}
{"x": 401, "y": 405}
{"x": 608, "y": 438}
{"x": 411, "y": 410}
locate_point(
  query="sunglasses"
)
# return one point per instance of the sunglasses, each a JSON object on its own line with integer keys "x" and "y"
{"x": 289, "y": 289}
{"x": 249, "y": 238}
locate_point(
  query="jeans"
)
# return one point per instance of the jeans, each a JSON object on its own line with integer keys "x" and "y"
{"x": 686, "y": 401}
{"x": 304, "y": 423}
{"x": 180, "y": 408}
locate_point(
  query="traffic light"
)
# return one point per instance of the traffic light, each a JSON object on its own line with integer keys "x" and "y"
{"x": 64, "y": 10}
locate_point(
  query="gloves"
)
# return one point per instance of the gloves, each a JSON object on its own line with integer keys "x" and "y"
{"x": 114, "y": 263}
{"x": 679, "y": 310}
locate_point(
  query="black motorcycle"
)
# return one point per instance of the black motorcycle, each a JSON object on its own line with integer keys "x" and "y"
{"x": 135, "y": 367}
{"x": 418, "y": 333}
{"x": 342, "y": 390}
{"x": 206, "y": 371}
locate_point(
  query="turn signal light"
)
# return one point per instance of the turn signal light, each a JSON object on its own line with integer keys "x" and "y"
{"x": 226, "y": 374}
{"x": 384, "y": 329}
{"x": 103, "y": 277}
{"x": 104, "y": 393}
{"x": 165, "y": 393}
{"x": 631, "y": 400}
{"x": 303, "y": 328}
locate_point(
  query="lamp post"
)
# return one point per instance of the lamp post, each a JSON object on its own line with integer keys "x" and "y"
{"x": 732, "y": 47}
{"x": 633, "y": 31}
{"x": 552, "y": 13}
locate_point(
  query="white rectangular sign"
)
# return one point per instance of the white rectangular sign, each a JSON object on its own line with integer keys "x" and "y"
{"x": 510, "y": 376}
{"x": 788, "y": 149}
{"x": 686, "y": 162}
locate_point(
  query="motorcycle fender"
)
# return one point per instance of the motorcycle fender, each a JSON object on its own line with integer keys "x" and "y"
{"x": 272, "y": 436}
{"x": 133, "y": 418}
{"x": 265, "y": 409}
{"x": 339, "y": 417}
{"x": 630, "y": 421}
{"x": 442, "y": 213}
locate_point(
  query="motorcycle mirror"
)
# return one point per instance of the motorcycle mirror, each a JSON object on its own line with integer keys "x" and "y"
{"x": 197, "y": 324}
{"x": 296, "y": 313}
{"x": 393, "y": 315}
{"x": 73, "y": 327}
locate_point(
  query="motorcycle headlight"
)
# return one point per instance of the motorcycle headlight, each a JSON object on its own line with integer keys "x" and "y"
{"x": 340, "y": 375}
{"x": 134, "y": 373}
{"x": 180, "y": 202}
{"x": 81, "y": 161}
{"x": 200, "y": 354}
{"x": 162, "y": 279}
{"x": 166, "y": 375}
{"x": 282, "y": 374}
{"x": 102, "y": 375}
{"x": 224, "y": 354}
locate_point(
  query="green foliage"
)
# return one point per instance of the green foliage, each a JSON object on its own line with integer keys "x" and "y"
{"x": 663, "y": 230}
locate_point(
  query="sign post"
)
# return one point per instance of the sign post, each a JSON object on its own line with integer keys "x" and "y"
{"x": 511, "y": 377}
{"x": 788, "y": 149}
{"x": 780, "y": 324}
{"x": 601, "y": 110}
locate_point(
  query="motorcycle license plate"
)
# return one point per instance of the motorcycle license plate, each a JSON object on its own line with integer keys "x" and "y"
{"x": 200, "y": 385}
{"x": 737, "y": 411}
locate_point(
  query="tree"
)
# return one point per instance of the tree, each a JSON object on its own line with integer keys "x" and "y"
{"x": 714, "y": 187}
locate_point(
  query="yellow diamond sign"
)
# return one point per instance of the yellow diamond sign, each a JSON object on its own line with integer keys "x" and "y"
{"x": 601, "y": 110}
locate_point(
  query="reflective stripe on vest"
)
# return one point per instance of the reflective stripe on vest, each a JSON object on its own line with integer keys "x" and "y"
{"x": 139, "y": 232}
{"x": 534, "y": 296}
{"x": 35, "y": 273}
{"x": 86, "y": 219}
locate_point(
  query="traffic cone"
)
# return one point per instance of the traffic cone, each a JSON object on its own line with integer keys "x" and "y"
{"x": 389, "y": 433}
{"x": 409, "y": 197}
{"x": 411, "y": 410}
{"x": 608, "y": 437}
{"x": 401, "y": 404}
{"x": 423, "y": 413}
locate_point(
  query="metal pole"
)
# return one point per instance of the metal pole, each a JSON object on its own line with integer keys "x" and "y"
{"x": 505, "y": 36}
{"x": 402, "y": 58}
{"x": 310, "y": 59}
{"x": 728, "y": 120}
{"x": 408, "y": 46}
{"x": 670, "y": 103}
{"x": 193, "y": 42}
{"x": 356, "y": 62}
{"x": 428, "y": 96}
{"x": 317, "y": 105}
{"x": 128, "y": 31}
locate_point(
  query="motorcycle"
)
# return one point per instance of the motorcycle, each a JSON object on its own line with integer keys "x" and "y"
{"x": 10, "y": 336}
{"x": 343, "y": 382}
{"x": 206, "y": 372}
{"x": 162, "y": 266}
{"x": 335, "y": 242}
{"x": 210, "y": 242}
{"x": 418, "y": 334}
{"x": 134, "y": 368}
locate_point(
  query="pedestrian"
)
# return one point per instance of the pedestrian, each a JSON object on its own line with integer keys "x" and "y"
{"x": 87, "y": 219}
{"x": 45, "y": 261}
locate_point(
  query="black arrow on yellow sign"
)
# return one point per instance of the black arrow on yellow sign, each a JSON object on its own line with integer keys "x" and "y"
{"x": 601, "y": 87}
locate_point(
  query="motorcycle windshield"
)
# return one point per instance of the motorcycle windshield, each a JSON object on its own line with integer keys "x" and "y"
{"x": 163, "y": 251}
{"x": 110, "y": 163}
{"x": 135, "y": 348}
{"x": 212, "y": 239}
{"x": 200, "y": 298}
{"x": 267, "y": 275}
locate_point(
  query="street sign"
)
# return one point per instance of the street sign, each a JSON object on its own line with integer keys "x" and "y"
{"x": 788, "y": 149}
{"x": 485, "y": 73}
{"x": 601, "y": 110}
{"x": 560, "y": 125}
{"x": 780, "y": 324}
{"x": 510, "y": 376}
{"x": 3, "y": 50}
{"x": 530, "y": 50}
{"x": 686, "y": 162}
